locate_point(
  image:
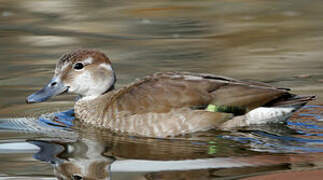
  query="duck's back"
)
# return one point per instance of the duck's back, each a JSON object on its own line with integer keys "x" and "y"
{"x": 163, "y": 92}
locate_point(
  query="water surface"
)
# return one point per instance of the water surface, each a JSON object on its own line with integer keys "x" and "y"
{"x": 278, "y": 42}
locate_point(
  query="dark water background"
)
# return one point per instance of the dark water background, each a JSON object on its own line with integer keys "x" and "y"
{"x": 279, "y": 42}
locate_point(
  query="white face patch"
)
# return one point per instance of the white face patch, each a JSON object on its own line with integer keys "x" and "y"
{"x": 88, "y": 60}
{"x": 106, "y": 66}
{"x": 81, "y": 84}
{"x": 94, "y": 82}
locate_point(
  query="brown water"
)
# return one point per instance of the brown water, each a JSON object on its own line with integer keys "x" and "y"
{"x": 272, "y": 41}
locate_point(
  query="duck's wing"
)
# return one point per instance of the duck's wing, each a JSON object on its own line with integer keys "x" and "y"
{"x": 163, "y": 92}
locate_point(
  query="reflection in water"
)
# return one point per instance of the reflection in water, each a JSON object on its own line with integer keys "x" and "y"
{"x": 91, "y": 159}
{"x": 100, "y": 155}
{"x": 92, "y": 153}
{"x": 80, "y": 159}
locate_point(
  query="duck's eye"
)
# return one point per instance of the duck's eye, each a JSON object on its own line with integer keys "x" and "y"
{"x": 78, "y": 66}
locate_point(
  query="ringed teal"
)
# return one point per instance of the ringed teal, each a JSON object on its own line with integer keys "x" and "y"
{"x": 166, "y": 103}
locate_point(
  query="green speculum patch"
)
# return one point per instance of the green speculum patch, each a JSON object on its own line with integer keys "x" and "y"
{"x": 236, "y": 110}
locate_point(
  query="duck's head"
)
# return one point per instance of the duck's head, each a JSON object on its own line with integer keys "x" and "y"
{"x": 84, "y": 72}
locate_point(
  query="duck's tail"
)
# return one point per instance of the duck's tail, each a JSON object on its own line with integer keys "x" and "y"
{"x": 291, "y": 100}
{"x": 277, "y": 111}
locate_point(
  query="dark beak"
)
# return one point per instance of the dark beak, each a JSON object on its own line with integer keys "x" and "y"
{"x": 53, "y": 88}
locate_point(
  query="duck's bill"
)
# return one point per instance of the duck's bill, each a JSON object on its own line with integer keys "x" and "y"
{"x": 53, "y": 88}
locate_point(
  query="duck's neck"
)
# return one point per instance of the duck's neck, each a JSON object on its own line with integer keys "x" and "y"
{"x": 90, "y": 109}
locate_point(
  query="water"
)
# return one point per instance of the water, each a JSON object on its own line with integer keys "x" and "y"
{"x": 272, "y": 41}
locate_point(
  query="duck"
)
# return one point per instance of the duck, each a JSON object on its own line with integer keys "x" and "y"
{"x": 164, "y": 104}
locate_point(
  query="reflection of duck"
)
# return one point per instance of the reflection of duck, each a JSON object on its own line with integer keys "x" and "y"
{"x": 91, "y": 159}
{"x": 102, "y": 156}
{"x": 92, "y": 156}
{"x": 76, "y": 160}
{"x": 163, "y": 104}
